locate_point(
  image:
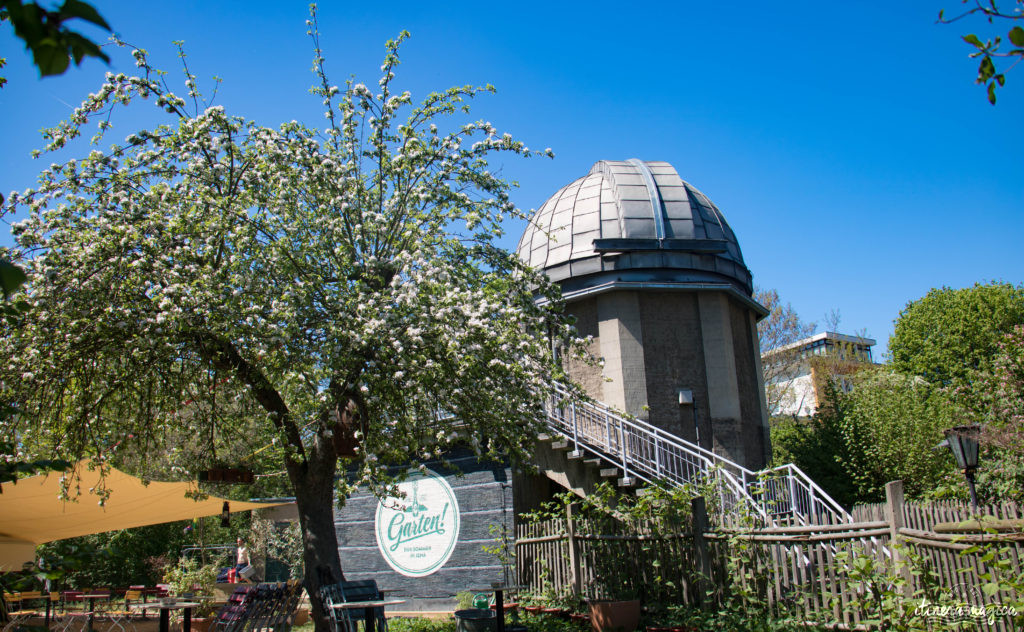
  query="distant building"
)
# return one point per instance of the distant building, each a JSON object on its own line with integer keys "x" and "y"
{"x": 795, "y": 374}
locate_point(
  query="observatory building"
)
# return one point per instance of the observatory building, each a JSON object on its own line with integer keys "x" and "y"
{"x": 650, "y": 268}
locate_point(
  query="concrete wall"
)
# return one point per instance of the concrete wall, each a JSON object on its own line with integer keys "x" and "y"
{"x": 589, "y": 376}
{"x": 674, "y": 358}
{"x": 656, "y": 343}
{"x": 484, "y": 494}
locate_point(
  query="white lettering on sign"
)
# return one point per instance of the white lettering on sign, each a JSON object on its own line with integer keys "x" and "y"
{"x": 417, "y": 533}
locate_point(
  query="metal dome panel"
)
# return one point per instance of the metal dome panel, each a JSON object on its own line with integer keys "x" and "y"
{"x": 633, "y": 221}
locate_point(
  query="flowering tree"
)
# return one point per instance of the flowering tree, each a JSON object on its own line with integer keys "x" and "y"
{"x": 314, "y": 285}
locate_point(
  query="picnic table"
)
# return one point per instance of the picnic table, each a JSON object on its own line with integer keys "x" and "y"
{"x": 165, "y": 608}
{"x": 91, "y": 599}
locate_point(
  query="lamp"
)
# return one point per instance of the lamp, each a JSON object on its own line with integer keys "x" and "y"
{"x": 962, "y": 441}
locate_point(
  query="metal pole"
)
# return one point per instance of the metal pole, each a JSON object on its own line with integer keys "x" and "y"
{"x": 622, "y": 450}
{"x": 969, "y": 474}
{"x": 575, "y": 428}
{"x": 792, "y": 494}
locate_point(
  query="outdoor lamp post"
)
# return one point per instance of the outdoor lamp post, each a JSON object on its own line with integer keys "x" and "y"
{"x": 963, "y": 443}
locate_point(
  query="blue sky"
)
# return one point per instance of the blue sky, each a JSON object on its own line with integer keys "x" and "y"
{"x": 845, "y": 143}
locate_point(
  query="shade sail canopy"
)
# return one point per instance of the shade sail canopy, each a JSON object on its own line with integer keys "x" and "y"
{"x": 32, "y": 513}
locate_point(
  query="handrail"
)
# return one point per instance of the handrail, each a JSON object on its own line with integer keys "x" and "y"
{"x": 654, "y": 455}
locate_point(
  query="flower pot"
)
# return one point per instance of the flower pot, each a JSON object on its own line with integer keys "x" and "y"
{"x": 555, "y": 612}
{"x": 579, "y": 617}
{"x": 532, "y": 609}
{"x": 615, "y": 616}
{"x": 201, "y": 624}
{"x": 475, "y": 620}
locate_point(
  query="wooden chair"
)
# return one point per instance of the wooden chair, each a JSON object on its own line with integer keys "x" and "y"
{"x": 62, "y": 619}
{"x": 331, "y": 594}
{"x": 231, "y": 616}
{"x": 74, "y": 610}
{"x": 122, "y": 618}
{"x": 20, "y": 614}
{"x": 284, "y": 615}
{"x": 266, "y": 601}
{"x": 8, "y": 604}
{"x": 355, "y": 590}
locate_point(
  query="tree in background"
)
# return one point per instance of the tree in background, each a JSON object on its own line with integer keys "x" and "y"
{"x": 334, "y": 287}
{"x": 782, "y": 326}
{"x": 969, "y": 342}
{"x": 818, "y": 446}
{"x": 950, "y": 335}
{"x": 998, "y": 398}
{"x": 957, "y": 358}
{"x": 892, "y": 422}
{"x": 883, "y": 429}
{"x": 994, "y": 398}
{"x": 989, "y": 51}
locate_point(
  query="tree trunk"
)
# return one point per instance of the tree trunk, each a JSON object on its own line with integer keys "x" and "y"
{"x": 313, "y": 482}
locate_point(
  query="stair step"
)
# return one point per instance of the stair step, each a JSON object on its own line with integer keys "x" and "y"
{"x": 543, "y": 437}
{"x": 593, "y": 462}
{"x": 560, "y": 444}
{"x": 575, "y": 455}
{"x": 609, "y": 472}
{"x": 627, "y": 481}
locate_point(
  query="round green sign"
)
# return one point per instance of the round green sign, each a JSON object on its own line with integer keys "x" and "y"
{"x": 417, "y": 533}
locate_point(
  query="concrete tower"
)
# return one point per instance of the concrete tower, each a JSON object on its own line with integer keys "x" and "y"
{"x": 650, "y": 269}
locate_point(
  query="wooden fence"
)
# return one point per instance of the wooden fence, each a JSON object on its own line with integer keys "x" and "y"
{"x": 598, "y": 557}
{"x": 828, "y": 573}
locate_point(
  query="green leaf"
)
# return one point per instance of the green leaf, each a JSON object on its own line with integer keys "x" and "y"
{"x": 11, "y": 278}
{"x": 991, "y": 588}
{"x": 82, "y": 47}
{"x": 992, "y": 93}
{"x": 1016, "y": 36}
{"x": 77, "y": 9}
{"x": 986, "y": 69}
{"x": 50, "y": 58}
{"x": 973, "y": 40}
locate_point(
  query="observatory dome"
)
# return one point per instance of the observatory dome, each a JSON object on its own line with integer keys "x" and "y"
{"x": 635, "y": 223}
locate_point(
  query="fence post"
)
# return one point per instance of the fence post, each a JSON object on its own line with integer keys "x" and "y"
{"x": 574, "y": 551}
{"x": 701, "y": 553}
{"x": 894, "y": 516}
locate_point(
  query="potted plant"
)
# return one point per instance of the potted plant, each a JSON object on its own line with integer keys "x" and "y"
{"x": 618, "y": 607}
{"x": 614, "y": 615}
{"x": 187, "y": 579}
{"x": 530, "y": 602}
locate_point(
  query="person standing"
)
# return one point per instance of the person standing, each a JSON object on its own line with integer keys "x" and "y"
{"x": 241, "y": 556}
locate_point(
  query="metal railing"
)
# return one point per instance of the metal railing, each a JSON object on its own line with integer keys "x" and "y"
{"x": 780, "y": 495}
